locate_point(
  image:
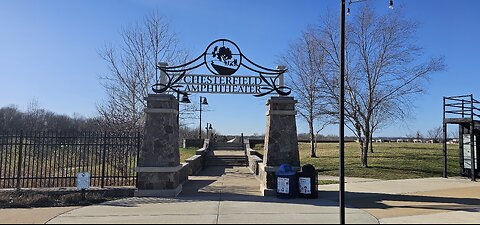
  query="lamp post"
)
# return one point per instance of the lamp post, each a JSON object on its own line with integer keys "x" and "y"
{"x": 342, "y": 104}
{"x": 184, "y": 100}
{"x": 203, "y": 101}
{"x": 342, "y": 113}
{"x": 208, "y": 128}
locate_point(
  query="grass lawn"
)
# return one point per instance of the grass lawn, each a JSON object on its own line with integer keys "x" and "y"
{"x": 186, "y": 153}
{"x": 391, "y": 161}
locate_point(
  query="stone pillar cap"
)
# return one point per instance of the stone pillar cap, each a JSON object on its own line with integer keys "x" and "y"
{"x": 281, "y": 99}
{"x": 160, "y": 97}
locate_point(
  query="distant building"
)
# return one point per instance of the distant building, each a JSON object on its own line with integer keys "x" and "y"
{"x": 453, "y": 141}
{"x": 417, "y": 141}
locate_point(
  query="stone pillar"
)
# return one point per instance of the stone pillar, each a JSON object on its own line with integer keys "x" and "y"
{"x": 159, "y": 163}
{"x": 281, "y": 144}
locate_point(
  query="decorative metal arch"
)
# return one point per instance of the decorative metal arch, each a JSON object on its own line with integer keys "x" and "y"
{"x": 269, "y": 77}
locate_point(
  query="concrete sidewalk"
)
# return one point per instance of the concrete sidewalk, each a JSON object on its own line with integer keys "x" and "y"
{"x": 31, "y": 216}
{"x": 231, "y": 195}
{"x": 217, "y": 195}
{"x": 431, "y": 200}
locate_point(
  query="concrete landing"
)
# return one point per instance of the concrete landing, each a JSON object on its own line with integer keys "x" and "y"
{"x": 217, "y": 195}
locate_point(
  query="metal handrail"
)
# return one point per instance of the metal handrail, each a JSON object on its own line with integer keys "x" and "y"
{"x": 465, "y": 106}
{"x": 458, "y": 112}
{"x": 460, "y": 96}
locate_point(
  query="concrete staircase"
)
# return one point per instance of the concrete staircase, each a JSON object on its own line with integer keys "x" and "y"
{"x": 227, "y": 154}
{"x": 226, "y": 161}
{"x": 228, "y": 146}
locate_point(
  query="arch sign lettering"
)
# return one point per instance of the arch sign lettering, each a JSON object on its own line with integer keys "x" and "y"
{"x": 223, "y": 59}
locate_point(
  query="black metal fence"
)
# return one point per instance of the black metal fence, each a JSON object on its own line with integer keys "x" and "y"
{"x": 52, "y": 159}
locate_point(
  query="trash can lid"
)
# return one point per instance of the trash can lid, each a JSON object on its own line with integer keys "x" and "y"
{"x": 285, "y": 170}
{"x": 308, "y": 169}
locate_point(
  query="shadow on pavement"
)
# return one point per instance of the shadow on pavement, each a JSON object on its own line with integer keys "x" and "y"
{"x": 239, "y": 185}
{"x": 375, "y": 201}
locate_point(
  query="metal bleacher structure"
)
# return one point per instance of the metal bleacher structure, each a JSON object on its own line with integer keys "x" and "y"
{"x": 465, "y": 112}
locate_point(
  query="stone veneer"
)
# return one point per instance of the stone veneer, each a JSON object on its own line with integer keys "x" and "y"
{"x": 159, "y": 168}
{"x": 281, "y": 144}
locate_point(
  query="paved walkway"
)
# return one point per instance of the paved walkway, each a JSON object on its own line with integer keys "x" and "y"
{"x": 231, "y": 195}
{"x": 431, "y": 200}
{"x": 31, "y": 216}
{"x": 348, "y": 179}
{"x": 217, "y": 195}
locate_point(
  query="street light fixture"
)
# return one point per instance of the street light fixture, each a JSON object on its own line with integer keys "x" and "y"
{"x": 185, "y": 99}
{"x": 208, "y": 128}
{"x": 203, "y": 101}
{"x": 342, "y": 104}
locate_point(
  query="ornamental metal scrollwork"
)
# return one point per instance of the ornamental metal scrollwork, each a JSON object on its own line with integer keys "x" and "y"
{"x": 223, "y": 59}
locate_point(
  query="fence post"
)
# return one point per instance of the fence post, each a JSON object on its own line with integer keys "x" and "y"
{"x": 472, "y": 140}
{"x": 19, "y": 166}
{"x": 138, "y": 156}
{"x": 104, "y": 152}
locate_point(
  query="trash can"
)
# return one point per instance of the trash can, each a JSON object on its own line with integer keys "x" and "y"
{"x": 287, "y": 187}
{"x": 307, "y": 182}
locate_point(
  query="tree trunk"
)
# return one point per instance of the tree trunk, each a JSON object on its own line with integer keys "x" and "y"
{"x": 363, "y": 142}
{"x": 365, "y": 145}
{"x": 312, "y": 140}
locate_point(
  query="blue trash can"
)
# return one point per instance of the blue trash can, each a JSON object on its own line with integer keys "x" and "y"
{"x": 287, "y": 187}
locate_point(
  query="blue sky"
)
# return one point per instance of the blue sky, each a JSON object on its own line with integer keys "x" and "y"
{"x": 48, "y": 49}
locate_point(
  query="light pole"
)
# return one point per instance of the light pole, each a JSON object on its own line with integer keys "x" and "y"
{"x": 203, "y": 101}
{"x": 342, "y": 104}
{"x": 342, "y": 113}
{"x": 208, "y": 128}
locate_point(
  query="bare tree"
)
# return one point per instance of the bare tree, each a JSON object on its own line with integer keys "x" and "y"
{"x": 435, "y": 134}
{"x": 454, "y": 134}
{"x": 383, "y": 71}
{"x": 302, "y": 59}
{"x": 132, "y": 70}
{"x": 11, "y": 118}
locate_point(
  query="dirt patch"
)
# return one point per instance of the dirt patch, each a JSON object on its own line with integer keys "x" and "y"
{"x": 43, "y": 198}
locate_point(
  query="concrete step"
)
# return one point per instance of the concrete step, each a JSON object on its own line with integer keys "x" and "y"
{"x": 226, "y": 160}
{"x": 226, "y": 157}
{"x": 226, "y": 164}
{"x": 228, "y": 146}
